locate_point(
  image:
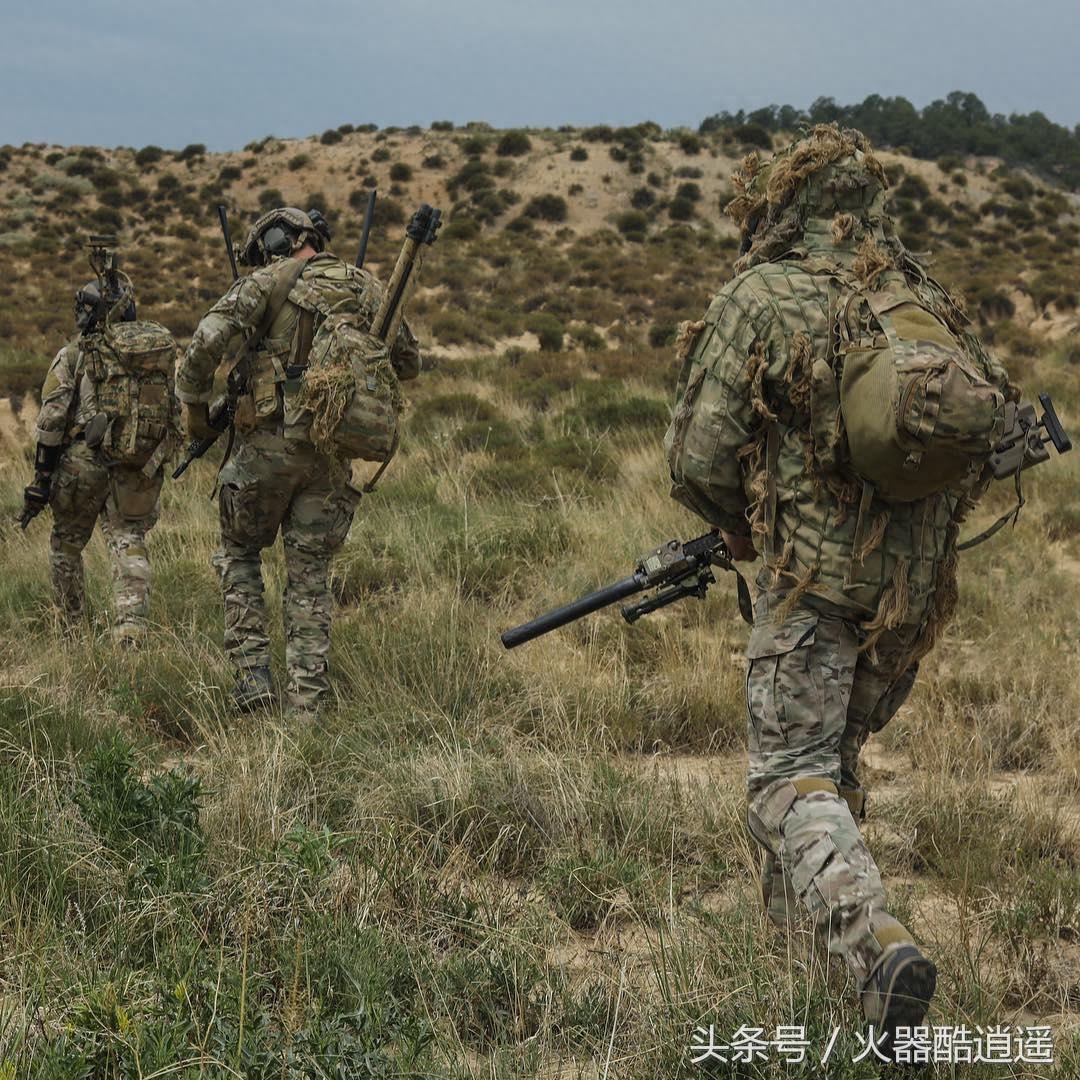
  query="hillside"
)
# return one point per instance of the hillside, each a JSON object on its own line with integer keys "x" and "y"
{"x": 599, "y": 230}
{"x": 482, "y": 863}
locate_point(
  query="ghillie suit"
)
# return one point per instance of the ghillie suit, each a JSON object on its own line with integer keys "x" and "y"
{"x": 859, "y": 551}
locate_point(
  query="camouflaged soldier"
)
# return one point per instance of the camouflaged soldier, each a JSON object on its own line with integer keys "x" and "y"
{"x": 855, "y": 585}
{"x": 275, "y": 479}
{"x": 108, "y": 423}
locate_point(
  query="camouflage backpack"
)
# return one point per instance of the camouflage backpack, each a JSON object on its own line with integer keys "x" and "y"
{"x": 919, "y": 413}
{"x": 131, "y": 366}
{"x": 348, "y": 388}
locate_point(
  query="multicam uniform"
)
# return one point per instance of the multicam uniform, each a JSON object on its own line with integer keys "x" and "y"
{"x": 87, "y": 488}
{"x": 275, "y": 479}
{"x": 854, "y": 588}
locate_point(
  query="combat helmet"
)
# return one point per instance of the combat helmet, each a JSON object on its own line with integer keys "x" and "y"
{"x": 281, "y": 231}
{"x": 91, "y": 309}
{"x": 831, "y": 175}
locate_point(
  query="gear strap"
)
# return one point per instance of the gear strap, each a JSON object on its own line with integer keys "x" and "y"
{"x": 279, "y": 294}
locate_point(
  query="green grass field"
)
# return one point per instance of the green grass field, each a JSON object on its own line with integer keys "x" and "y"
{"x": 492, "y": 864}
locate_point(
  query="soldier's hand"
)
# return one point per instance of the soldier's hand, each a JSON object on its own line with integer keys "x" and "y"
{"x": 741, "y": 547}
{"x": 196, "y": 421}
{"x": 35, "y": 498}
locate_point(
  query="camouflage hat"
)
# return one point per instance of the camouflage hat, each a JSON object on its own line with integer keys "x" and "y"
{"x": 831, "y": 171}
{"x": 276, "y": 233}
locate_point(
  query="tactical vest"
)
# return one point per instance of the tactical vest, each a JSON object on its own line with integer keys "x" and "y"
{"x": 130, "y": 368}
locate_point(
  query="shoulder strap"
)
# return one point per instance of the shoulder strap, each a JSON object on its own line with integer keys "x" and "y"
{"x": 283, "y": 285}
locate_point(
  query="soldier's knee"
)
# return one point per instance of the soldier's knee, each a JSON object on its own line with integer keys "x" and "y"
{"x": 66, "y": 546}
{"x": 769, "y": 807}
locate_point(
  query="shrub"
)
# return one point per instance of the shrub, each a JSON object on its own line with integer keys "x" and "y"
{"x": 548, "y": 329}
{"x": 1019, "y": 187}
{"x": 690, "y": 172}
{"x": 434, "y": 161}
{"x": 681, "y": 209}
{"x": 346, "y": 129}
{"x": 513, "y": 144}
{"x": 654, "y": 180}
{"x": 574, "y": 189}
{"x": 399, "y": 171}
{"x": 330, "y": 136}
{"x": 191, "y": 152}
{"x": 269, "y": 198}
{"x": 662, "y": 335}
{"x": 752, "y": 135}
{"x": 689, "y": 191}
{"x": 690, "y": 143}
{"x": 388, "y": 212}
{"x": 642, "y": 198}
{"x": 474, "y": 145}
{"x": 461, "y": 228}
{"x": 546, "y": 207}
{"x": 442, "y": 125}
{"x": 229, "y": 173}
{"x": 632, "y": 224}
{"x": 298, "y": 161}
{"x": 358, "y": 198}
{"x": 579, "y": 153}
{"x": 148, "y": 155}
{"x": 913, "y": 187}
{"x": 589, "y": 339}
{"x": 598, "y": 133}
{"x": 380, "y": 153}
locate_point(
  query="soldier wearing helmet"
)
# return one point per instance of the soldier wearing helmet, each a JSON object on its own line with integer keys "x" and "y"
{"x": 855, "y": 586}
{"x": 102, "y": 437}
{"x": 275, "y": 480}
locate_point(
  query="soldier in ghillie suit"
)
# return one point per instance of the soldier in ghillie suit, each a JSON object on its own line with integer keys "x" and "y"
{"x": 276, "y": 478}
{"x": 859, "y": 573}
{"x": 108, "y": 423}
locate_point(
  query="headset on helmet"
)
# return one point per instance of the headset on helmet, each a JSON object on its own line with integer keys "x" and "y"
{"x": 278, "y": 233}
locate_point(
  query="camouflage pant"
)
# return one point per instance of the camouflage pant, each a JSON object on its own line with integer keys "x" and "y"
{"x": 812, "y": 700}
{"x": 271, "y": 483}
{"x": 125, "y": 502}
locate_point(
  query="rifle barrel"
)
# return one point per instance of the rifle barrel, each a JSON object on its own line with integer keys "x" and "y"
{"x": 223, "y": 217}
{"x": 584, "y": 605}
{"x": 369, "y": 213}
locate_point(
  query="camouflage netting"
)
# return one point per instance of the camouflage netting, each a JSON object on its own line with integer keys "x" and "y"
{"x": 326, "y": 391}
{"x": 832, "y": 175}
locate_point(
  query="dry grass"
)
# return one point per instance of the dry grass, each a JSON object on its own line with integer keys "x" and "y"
{"x": 484, "y": 863}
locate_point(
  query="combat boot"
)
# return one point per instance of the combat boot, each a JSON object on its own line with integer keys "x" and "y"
{"x": 898, "y": 992}
{"x": 254, "y": 690}
{"x": 128, "y": 635}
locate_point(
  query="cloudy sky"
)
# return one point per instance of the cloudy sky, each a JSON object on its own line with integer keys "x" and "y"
{"x": 121, "y": 72}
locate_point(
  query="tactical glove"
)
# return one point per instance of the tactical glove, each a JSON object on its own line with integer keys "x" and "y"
{"x": 196, "y": 421}
{"x": 35, "y": 498}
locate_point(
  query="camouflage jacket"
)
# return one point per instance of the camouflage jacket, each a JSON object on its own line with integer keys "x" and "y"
{"x": 220, "y": 333}
{"x": 67, "y": 397}
{"x": 741, "y": 451}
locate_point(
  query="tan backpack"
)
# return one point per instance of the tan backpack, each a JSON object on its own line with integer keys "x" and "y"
{"x": 349, "y": 387}
{"x": 919, "y": 413}
{"x": 131, "y": 367}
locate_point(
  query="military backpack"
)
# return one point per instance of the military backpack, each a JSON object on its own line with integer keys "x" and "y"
{"x": 131, "y": 367}
{"x": 919, "y": 413}
{"x": 344, "y": 381}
